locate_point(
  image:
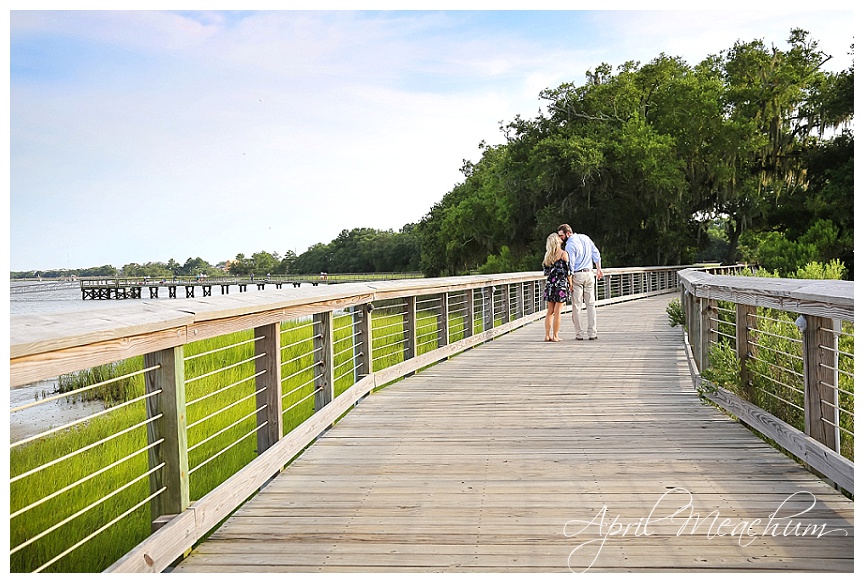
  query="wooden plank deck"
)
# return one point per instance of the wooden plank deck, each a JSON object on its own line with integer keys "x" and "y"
{"x": 488, "y": 462}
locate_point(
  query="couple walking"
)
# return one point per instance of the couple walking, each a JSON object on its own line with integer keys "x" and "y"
{"x": 568, "y": 265}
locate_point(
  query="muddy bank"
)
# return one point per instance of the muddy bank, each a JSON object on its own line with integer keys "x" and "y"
{"x": 35, "y": 420}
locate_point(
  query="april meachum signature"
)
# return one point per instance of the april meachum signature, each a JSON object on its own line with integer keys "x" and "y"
{"x": 781, "y": 522}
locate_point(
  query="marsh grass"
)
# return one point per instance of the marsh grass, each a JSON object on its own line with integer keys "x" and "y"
{"x": 221, "y": 437}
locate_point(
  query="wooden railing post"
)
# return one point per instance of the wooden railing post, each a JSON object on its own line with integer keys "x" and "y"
{"x": 443, "y": 320}
{"x": 488, "y": 308}
{"x": 820, "y": 380}
{"x": 323, "y": 346}
{"x": 707, "y": 309}
{"x": 743, "y": 314}
{"x": 506, "y": 303}
{"x": 690, "y": 305}
{"x": 362, "y": 319}
{"x": 469, "y": 313}
{"x": 167, "y": 408}
{"x": 686, "y": 299}
{"x": 410, "y": 327}
{"x": 270, "y": 398}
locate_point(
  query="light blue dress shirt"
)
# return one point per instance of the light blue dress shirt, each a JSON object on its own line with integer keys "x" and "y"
{"x": 582, "y": 251}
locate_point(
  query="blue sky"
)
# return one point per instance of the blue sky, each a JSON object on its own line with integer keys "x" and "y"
{"x": 146, "y": 135}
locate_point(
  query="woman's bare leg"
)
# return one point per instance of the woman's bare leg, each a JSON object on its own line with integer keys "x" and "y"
{"x": 556, "y": 321}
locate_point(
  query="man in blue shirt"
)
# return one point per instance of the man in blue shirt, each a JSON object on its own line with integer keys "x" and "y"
{"x": 583, "y": 256}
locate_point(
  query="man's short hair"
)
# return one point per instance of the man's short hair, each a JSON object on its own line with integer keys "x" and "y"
{"x": 565, "y": 227}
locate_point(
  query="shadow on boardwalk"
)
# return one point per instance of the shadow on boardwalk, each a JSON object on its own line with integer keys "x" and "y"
{"x": 522, "y": 455}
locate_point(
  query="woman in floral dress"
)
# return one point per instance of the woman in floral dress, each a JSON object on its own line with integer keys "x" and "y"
{"x": 557, "y": 293}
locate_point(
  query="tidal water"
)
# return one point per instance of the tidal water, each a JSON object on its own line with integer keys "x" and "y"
{"x": 53, "y": 414}
{"x": 53, "y": 301}
{"x": 36, "y": 419}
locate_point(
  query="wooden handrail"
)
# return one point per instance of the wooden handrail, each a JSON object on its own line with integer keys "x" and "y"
{"x": 816, "y": 297}
{"x": 820, "y": 305}
{"x": 194, "y": 319}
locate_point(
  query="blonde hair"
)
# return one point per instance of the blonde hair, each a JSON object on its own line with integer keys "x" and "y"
{"x": 553, "y": 248}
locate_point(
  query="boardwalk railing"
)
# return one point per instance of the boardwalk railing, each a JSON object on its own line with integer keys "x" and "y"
{"x": 201, "y": 402}
{"x": 782, "y": 349}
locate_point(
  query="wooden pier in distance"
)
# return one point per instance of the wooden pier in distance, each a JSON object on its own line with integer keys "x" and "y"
{"x": 122, "y": 288}
{"x": 131, "y": 288}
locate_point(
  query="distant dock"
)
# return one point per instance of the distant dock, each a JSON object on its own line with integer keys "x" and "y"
{"x": 121, "y": 288}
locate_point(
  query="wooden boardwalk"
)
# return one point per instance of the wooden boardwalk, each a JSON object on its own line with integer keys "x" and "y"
{"x": 521, "y": 455}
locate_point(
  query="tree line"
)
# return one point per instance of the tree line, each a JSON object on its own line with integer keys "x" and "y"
{"x": 357, "y": 251}
{"x": 745, "y": 156}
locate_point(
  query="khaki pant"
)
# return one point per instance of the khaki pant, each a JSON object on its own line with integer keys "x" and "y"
{"x": 583, "y": 295}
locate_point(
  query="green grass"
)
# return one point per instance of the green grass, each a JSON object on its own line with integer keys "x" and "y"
{"x": 220, "y": 440}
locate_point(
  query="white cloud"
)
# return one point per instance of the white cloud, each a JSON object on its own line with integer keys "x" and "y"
{"x": 694, "y": 35}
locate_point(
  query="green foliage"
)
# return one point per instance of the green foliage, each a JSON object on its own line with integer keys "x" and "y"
{"x": 503, "y": 262}
{"x": 714, "y": 244}
{"x": 723, "y": 370}
{"x": 286, "y": 265}
{"x": 196, "y": 266}
{"x": 362, "y": 251}
{"x": 675, "y": 311}
{"x": 105, "y": 270}
{"x": 111, "y": 392}
{"x": 834, "y": 269}
{"x": 776, "y": 367}
{"x": 157, "y": 269}
{"x": 775, "y": 251}
{"x": 777, "y": 371}
{"x": 261, "y": 263}
{"x": 355, "y": 251}
{"x": 474, "y": 219}
{"x": 760, "y": 272}
{"x": 663, "y": 163}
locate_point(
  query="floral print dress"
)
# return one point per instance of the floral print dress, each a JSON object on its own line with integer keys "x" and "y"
{"x": 557, "y": 288}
